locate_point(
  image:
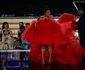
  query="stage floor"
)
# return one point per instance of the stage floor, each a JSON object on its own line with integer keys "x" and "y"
{"x": 14, "y": 64}
{"x": 53, "y": 66}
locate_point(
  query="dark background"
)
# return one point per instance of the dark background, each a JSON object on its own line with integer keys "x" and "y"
{"x": 19, "y": 8}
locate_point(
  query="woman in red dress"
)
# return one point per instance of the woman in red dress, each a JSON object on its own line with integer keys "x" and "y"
{"x": 53, "y": 41}
{"x": 41, "y": 34}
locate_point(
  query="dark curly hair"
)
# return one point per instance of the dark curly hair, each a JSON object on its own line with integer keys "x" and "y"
{"x": 3, "y": 26}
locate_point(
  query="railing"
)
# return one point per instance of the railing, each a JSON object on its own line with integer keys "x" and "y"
{"x": 15, "y": 62}
{"x": 14, "y": 50}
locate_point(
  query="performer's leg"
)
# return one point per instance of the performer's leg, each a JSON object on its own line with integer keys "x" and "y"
{"x": 43, "y": 52}
{"x": 50, "y": 53}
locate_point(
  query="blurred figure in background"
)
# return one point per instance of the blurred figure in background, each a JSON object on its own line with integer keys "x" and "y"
{"x": 81, "y": 29}
{"x": 6, "y": 31}
{"x": 81, "y": 26}
{"x": 22, "y": 54}
{"x": 8, "y": 40}
{"x": 5, "y": 26}
{"x": 7, "y": 35}
{"x": 21, "y": 24}
{"x": 26, "y": 44}
{"x": 27, "y": 24}
{"x": 21, "y": 30}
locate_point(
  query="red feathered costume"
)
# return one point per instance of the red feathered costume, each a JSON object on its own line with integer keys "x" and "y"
{"x": 66, "y": 50}
{"x": 73, "y": 50}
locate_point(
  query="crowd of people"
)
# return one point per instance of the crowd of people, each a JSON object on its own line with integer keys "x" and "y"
{"x": 6, "y": 36}
{"x": 9, "y": 42}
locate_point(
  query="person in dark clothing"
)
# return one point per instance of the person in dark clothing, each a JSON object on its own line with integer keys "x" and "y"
{"x": 22, "y": 54}
{"x": 21, "y": 30}
{"x": 81, "y": 30}
{"x": 81, "y": 27}
{"x": 27, "y": 24}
